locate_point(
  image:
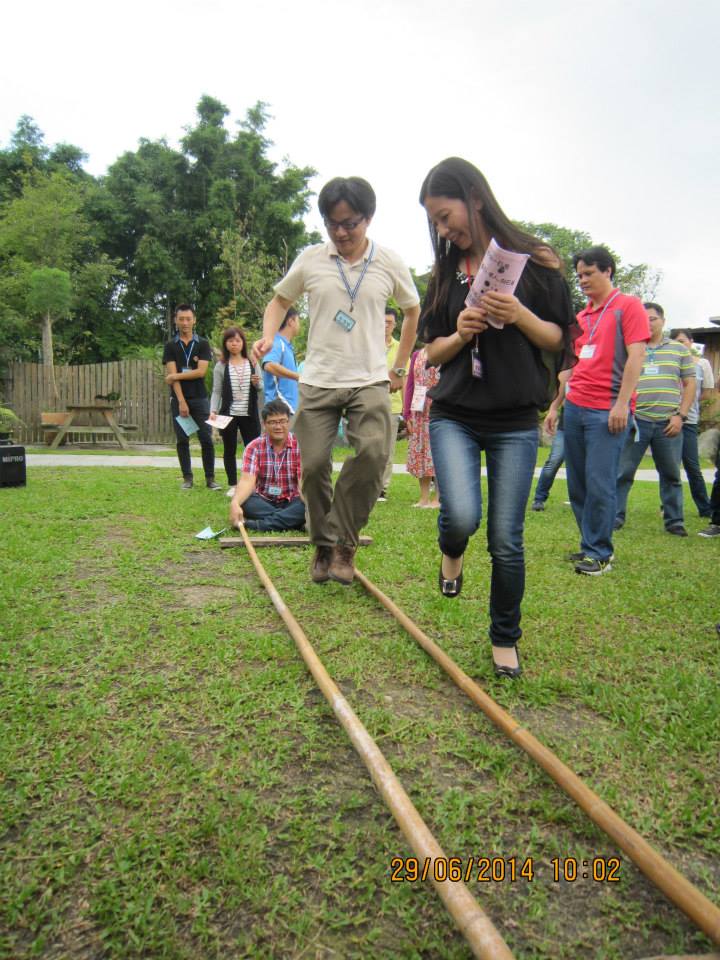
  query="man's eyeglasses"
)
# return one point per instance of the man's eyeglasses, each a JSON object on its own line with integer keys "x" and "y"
{"x": 277, "y": 423}
{"x": 347, "y": 225}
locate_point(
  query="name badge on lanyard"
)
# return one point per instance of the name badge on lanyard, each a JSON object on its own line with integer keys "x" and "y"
{"x": 274, "y": 490}
{"x": 587, "y": 352}
{"x": 651, "y": 369}
{"x": 344, "y": 320}
{"x": 417, "y": 404}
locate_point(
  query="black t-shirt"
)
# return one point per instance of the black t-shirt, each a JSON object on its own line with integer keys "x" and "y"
{"x": 518, "y": 378}
{"x": 187, "y": 356}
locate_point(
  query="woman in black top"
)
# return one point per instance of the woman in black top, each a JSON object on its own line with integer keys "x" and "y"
{"x": 492, "y": 384}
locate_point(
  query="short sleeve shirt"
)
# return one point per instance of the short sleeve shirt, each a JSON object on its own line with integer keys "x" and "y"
{"x": 607, "y": 331}
{"x": 187, "y": 357}
{"x": 337, "y": 357}
{"x": 278, "y": 471}
{"x": 660, "y": 386}
{"x": 281, "y": 387}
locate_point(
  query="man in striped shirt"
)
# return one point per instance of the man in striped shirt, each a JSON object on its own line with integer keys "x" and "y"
{"x": 665, "y": 394}
{"x": 267, "y": 496}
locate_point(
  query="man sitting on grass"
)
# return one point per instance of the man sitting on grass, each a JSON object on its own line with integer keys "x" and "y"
{"x": 267, "y": 496}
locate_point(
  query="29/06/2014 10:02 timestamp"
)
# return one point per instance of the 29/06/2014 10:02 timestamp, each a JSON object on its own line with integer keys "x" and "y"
{"x": 500, "y": 869}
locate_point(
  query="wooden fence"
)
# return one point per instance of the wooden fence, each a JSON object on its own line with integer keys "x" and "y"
{"x": 144, "y": 397}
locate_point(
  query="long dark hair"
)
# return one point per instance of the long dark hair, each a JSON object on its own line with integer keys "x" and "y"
{"x": 457, "y": 179}
{"x": 228, "y": 335}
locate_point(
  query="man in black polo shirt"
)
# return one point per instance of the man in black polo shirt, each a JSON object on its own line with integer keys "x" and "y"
{"x": 186, "y": 359}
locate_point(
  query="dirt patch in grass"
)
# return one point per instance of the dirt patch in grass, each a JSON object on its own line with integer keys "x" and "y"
{"x": 561, "y": 723}
{"x": 201, "y": 595}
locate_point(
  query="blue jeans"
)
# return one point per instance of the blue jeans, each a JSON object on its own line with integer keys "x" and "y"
{"x": 691, "y": 462}
{"x": 666, "y": 453}
{"x": 286, "y": 515}
{"x": 510, "y": 460}
{"x": 592, "y": 455}
{"x": 550, "y": 468}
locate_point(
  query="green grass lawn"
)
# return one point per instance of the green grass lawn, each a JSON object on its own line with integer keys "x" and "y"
{"x": 173, "y": 784}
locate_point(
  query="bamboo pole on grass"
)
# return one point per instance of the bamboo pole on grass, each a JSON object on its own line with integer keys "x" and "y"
{"x": 674, "y": 885}
{"x": 474, "y": 924}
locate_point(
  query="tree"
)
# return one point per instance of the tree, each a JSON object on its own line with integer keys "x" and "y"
{"x": 28, "y": 153}
{"x": 47, "y": 225}
{"x": 252, "y": 272}
{"x": 639, "y": 280}
{"x": 166, "y": 212}
{"x": 49, "y": 297}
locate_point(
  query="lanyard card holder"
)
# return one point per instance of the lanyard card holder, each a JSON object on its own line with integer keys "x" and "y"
{"x": 344, "y": 320}
{"x": 477, "y": 367}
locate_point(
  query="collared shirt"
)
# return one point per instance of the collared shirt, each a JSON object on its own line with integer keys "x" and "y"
{"x": 595, "y": 380}
{"x": 660, "y": 386}
{"x": 337, "y": 357}
{"x": 272, "y": 469}
{"x": 283, "y": 388}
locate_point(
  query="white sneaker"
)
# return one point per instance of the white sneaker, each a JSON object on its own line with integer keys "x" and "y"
{"x": 231, "y": 492}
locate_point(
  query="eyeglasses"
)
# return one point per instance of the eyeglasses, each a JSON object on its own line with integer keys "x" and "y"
{"x": 277, "y": 423}
{"x": 347, "y": 225}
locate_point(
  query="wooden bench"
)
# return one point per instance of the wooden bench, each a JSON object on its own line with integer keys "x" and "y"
{"x": 55, "y": 423}
{"x": 49, "y": 423}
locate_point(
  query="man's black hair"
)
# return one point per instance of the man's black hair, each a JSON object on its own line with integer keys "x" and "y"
{"x": 597, "y": 256}
{"x": 656, "y": 307}
{"x": 356, "y": 192}
{"x": 675, "y": 333}
{"x": 391, "y": 310}
{"x": 292, "y": 312}
{"x": 276, "y": 406}
{"x": 184, "y": 306}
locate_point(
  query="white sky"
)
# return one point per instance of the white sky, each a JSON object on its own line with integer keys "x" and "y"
{"x": 600, "y": 117}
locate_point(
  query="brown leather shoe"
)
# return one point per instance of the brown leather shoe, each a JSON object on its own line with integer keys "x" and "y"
{"x": 320, "y": 563}
{"x": 342, "y": 569}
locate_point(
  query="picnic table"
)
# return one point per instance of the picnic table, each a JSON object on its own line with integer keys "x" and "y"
{"x": 84, "y": 413}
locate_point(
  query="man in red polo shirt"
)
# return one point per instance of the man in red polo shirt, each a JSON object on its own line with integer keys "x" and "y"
{"x": 599, "y": 398}
{"x": 267, "y": 496}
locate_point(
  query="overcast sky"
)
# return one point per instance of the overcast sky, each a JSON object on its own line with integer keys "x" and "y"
{"x": 599, "y": 117}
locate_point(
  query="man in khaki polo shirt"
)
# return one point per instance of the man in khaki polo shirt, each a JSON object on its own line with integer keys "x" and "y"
{"x": 348, "y": 282}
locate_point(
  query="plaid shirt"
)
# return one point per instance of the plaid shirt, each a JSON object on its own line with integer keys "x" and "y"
{"x": 271, "y": 470}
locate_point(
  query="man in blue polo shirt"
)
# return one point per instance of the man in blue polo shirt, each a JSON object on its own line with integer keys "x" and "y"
{"x": 280, "y": 372}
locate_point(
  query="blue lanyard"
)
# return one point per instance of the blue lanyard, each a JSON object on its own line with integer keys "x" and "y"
{"x": 353, "y": 292}
{"x": 591, "y": 332}
{"x": 187, "y": 353}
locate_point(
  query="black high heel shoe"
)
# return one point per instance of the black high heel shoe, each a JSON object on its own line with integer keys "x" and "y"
{"x": 449, "y": 588}
{"x": 512, "y": 672}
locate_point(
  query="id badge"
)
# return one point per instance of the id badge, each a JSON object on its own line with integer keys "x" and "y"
{"x": 417, "y": 404}
{"x": 587, "y": 351}
{"x": 186, "y": 370}
{"x": 477, "y": 367}
{"x": 344, "y": 320}
{"x": 274, "y": 491}
{"x": 651, "y": 370}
